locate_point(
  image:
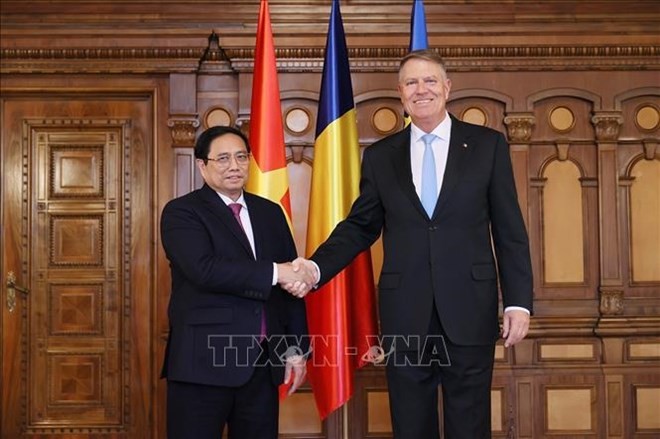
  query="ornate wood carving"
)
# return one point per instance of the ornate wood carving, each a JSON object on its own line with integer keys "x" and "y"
{"x": 214, "y": 59}
{"x": 611, "y": 302}
{"x": 183, "y": 130}
{"x": 607, "y": 125}
{"x": 76, "y": 308}
{"x": 76, "y": 171}
{"x": 519, "y": 126}
{"x": 74, "y": 315}
{"x": 76, "y": 240}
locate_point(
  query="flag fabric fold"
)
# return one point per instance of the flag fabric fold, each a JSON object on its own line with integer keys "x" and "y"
{"x": 341, "y": 315}
{"x": 267, "y": 173}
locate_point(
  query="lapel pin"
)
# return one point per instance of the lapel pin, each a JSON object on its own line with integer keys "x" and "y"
{"x": 465, "y": 145}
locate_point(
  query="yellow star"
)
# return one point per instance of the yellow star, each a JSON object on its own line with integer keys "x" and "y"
{"x": 272, "y": 184}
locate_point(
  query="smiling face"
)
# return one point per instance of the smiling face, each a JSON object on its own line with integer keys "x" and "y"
{"x": 226, "y": 178}
{"x": 424, "y": 89}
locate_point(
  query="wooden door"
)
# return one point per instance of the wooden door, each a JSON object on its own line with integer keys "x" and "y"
{"x": 76, "y": 233}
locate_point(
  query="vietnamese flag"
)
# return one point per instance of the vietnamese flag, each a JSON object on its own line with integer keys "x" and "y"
{"x": 341, "y": 315}
{"x": 267, "y": 173}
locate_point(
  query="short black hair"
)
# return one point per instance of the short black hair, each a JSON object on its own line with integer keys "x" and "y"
{"x": 203, "y": 144}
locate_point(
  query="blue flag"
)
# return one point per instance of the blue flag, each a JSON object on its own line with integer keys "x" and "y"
{"x": 418, "y": 39}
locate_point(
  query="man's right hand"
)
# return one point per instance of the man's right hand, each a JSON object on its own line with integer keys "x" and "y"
{"x": 304, "y": 277}
{"x": 297, "y": 278}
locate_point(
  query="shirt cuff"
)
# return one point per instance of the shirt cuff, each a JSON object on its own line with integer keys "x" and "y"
{"x": 318, "y": 274}
{"x": 275, "y": 273}
{"x": 517, "y": 308}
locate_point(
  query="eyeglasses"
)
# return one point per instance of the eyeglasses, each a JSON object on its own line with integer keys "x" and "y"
{"x": 223, "y": 160}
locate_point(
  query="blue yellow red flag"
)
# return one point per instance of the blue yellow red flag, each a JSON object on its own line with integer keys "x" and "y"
{"x": 341, "y": 315}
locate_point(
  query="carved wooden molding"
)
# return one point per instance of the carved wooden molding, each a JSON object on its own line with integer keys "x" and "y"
{"x": 215, "y": 58}
{"x": 106, "y": 53}
{"x": 561, "y": 326}
{"x": 562, "y": 150}
{"x": 464, "y": 52}
{"x": 611, "y": 302}
{"x": 297, "y": 153}
{"x": 651, "y": 150}
{"x": 519, "y": 126}
{"x": 100, "y": 60}
{"x": 467, "y": 58}
{"x": 183, "y": 129}
{"x": 607, "y": 125}
{"x": 628, "y": 326}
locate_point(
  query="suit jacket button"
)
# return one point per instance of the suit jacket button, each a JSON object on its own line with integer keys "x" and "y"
{"x": 433, "y": 228}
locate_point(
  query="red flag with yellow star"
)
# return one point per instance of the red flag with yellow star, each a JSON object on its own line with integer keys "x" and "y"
{"x": 268, "y": 174}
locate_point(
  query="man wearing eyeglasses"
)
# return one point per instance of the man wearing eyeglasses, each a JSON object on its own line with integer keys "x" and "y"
{"x": 231, "y": 325}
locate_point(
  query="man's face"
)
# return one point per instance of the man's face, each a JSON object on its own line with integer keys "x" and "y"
{"x": 226, "y": 171}
{"x": 424, "y": 90}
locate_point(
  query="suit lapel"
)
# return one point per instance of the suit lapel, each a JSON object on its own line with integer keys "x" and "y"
{"x": 215, "y": 204}
{"x": 459, "y": 149}
{"x": 401, "y": 162}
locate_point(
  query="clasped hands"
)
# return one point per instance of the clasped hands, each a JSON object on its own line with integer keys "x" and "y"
{"x": 297, "y": 277}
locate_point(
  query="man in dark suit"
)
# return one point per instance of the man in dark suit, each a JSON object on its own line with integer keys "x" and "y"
{"x": 439, "y": 191}
{"x": 231, "y": 325}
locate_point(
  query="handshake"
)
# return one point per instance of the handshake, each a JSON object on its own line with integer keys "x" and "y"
{"x": 298, "y": 277}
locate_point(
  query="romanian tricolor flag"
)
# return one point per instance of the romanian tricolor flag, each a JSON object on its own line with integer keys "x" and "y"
{"x": 341, "y": 315}
{"x": 268, "y": 174}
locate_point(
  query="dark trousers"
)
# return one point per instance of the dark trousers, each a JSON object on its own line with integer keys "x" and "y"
{"x": 196, "y": 411}
{"x": 465, "y": 373}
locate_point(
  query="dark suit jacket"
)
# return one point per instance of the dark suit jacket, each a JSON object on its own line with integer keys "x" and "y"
{"x": 219, "y": 289}
{"x": 448, "y": 257}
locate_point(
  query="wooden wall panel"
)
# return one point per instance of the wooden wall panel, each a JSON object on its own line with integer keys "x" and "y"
{"x": 644, "y": 219}
{"x": 572, "y": 84}
{"x": 563, "y": 233}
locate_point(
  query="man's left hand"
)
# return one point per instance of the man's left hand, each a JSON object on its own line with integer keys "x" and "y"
{"x": 514, "y": 327}
{"x": 296, "y": 370}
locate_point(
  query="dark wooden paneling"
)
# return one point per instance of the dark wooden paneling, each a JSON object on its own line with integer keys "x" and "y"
{"x": 147, "y": 62}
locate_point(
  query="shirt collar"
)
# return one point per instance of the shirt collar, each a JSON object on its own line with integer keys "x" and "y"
{"x": 442, "y": 130}
{"x": 228, "y": 201}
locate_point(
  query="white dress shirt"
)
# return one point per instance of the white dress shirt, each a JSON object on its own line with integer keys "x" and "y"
{"x": 440, "y": 148}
